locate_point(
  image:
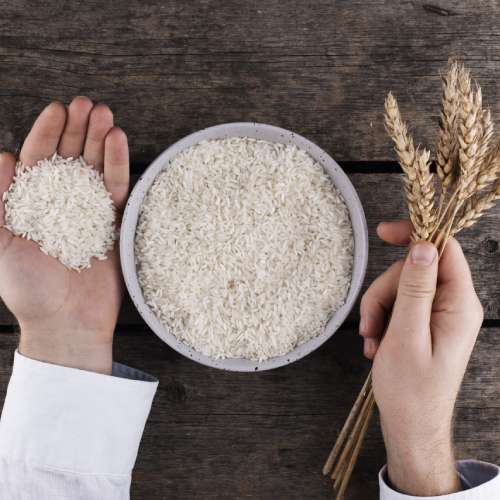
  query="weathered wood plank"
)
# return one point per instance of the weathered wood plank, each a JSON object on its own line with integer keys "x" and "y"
{"x": 220, "y": 435}
{"x": 320, "y": 68}
{"x": 382, "y": 199}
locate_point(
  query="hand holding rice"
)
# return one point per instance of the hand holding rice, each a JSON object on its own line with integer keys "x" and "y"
{"x": 62, "y": 204}
{"x": 244, "y": 248}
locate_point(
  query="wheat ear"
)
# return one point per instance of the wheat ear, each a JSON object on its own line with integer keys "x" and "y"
{"x": 398, "y": 131}
{"x": 469, "y": 135}
{"x": 424, "y": 194}
{"x": 483, "y": 172}
{"x": 446, "y": 151}
{"x": 475, "y": 208}
{"x": 418, "y": 180}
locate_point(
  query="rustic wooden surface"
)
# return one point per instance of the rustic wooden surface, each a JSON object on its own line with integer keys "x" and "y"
{"x": 320, "y": 68}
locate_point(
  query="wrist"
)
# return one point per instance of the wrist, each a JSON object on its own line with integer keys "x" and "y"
{"x": 85, "y": 350}
{"x": 422, "y": 467}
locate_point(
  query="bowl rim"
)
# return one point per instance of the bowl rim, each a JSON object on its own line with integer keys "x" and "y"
{"x": 258, "y": 131}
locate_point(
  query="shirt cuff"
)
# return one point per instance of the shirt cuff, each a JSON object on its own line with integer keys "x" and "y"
{"x": 73, "y": 420}
{"x": 482, "y": 479}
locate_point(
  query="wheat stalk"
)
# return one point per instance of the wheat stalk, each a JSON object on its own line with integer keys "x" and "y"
{"x": 475, "y": 208}
{"x": 403, "y": 141}
{"x": 446, "y": 152}
{"x": 424, "y": 194}
{"x": 479, "y": 172}
{"x": 489, "y": 170}
{"x": 474, "y": 131}
{"x": 418, "y": 180}
{"x": 468, "y": 172}
{"x": 469, "y": 135}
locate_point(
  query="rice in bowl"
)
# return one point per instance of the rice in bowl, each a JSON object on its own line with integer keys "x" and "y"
{"x": 244, "y": 248}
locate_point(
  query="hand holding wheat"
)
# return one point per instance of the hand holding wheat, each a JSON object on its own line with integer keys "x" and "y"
{"x": 466, "y": 185}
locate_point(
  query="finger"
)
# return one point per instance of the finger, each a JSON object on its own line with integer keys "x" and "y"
{"x": 395, "y": 232}
{"x": 377, "y": 302}
{"x": 100, "y": 123}
{"x": 7, "y": 169}
{"x": 73, "y": 137}
{"x": 456, "y": 299}
{"x": 45, "y": 134}
{"x": 116, "y": 166}
{"x": 370, "y": 347}
{"x": 453, "y": 266}
{"x": 411, "y": 315}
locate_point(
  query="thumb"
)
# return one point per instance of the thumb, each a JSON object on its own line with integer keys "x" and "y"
{"x": 417, "y": 287}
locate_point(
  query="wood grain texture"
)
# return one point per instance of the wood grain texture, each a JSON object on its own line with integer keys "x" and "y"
{"x": 320, "y": 68}
{"x": 264, "y": 436}
{"x": 381, "y": 195}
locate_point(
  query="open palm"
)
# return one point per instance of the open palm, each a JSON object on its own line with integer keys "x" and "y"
{"x": 66, "y": 317}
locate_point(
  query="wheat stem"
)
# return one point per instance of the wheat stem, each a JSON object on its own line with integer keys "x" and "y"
{"x": 327, "y": 468}
{"x": 357, "y": 448}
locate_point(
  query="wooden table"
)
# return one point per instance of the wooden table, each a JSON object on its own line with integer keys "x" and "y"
{"x": 322, "y": 69}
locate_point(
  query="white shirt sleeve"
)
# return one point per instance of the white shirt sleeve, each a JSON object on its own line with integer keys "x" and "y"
{"x": 68, "y": 434}
{"x": 481, "y": 481}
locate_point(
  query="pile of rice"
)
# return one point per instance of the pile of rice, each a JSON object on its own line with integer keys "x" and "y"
{"x": 244, "y": 248}
{"x": 62, "y": 204}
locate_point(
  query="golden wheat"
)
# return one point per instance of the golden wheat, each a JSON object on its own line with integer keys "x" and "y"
{"x": 403, "y": 142}
{"x": 489, "y": 170}
{"x": 447, "y": 145}
{"x": 424, "y": 193}
{"x": 469, "y": 135}
{"x": 473, "y": 172}
{"x": 468, "y": 171}
{"x": 418, "y": 180}
{"x": 475, "y": 208}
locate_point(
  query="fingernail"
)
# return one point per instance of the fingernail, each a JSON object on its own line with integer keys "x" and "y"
{"x": 423, "y": 254}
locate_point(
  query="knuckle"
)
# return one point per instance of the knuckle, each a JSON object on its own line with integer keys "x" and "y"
{"x": 471, "y": 303}
{"x": 417, "y": 289}
{"x": 478, "y": 309}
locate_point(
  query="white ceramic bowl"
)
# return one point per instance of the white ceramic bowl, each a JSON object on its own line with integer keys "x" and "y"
{"x": 256, "y": 131}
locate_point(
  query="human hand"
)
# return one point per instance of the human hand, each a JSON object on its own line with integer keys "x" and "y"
{"x": 431, "y": 316}
{"x": 66, "y": 317}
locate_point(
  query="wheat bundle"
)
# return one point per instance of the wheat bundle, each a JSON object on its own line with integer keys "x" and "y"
{"x": 467, "y": 184}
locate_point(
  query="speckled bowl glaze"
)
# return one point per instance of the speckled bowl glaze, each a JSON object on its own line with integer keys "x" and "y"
{"x": 256, "y": 131}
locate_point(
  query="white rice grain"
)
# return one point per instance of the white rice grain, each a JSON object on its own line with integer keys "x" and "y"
{"x": 244, "y": 248}
{"x": 62, "y": 204}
